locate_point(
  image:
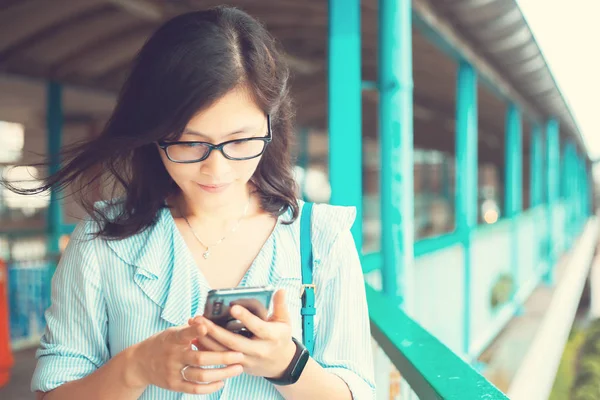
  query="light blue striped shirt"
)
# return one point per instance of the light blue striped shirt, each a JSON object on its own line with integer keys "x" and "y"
{"x": 109, "y": 295}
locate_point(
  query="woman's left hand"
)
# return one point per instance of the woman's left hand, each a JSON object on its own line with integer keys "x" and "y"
{"x": 269, "y": 352}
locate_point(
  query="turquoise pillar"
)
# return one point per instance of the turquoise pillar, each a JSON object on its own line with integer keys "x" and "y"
{"x": 589, "y": 189}
{"x": 580, "y": 190}
{"x": 552, "y": 187}
{"x": 567, "y": 188}
{"x": 537, "y": 166}
{"x": 466, "y": 179}
{"x": 514, "y": 184}
{"x": 345, "y": 108}
{"x": 536, "y": 190}
{"x": 573, "y": 195}
{"x": 514, "y": 162}
{"x": 54, "y": 125}
{"x": 396, "y": 133}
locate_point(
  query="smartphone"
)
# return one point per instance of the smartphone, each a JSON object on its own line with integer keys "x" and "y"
{"x": 257, "y": 300}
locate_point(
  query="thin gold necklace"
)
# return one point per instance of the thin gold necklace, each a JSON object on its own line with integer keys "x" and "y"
{"x": 206, "y": 253}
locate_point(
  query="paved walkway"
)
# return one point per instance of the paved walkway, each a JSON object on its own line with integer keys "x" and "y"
{"x": 18, "y": 387}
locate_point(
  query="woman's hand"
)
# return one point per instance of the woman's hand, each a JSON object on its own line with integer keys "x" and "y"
{"x": 269, "y": 352}
{"x": 159, "y": 360}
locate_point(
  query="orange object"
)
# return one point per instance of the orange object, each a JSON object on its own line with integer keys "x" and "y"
{"x": 6, "y": 356}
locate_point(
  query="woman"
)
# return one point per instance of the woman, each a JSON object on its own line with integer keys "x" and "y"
{"x": 199, "y": 143}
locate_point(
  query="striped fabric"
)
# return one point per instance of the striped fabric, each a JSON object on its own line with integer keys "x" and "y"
{"x": 109, "y": 295}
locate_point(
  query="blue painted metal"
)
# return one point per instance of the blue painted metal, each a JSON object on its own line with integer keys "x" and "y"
{"x": 438, "y": 243}
{"x": 570, "y": 195}
{"x": 514, "y": 184}
{"x": 466, "y": 178}
{"x": 514, "y": 162}
{"x": 581, "y": 189}
{"x": 396, "y": 133}
{"x": 537, "y": 167}
{"x": 552, "y": 165}
{"x": 586, "y": 191}
{"x": 54, "y": 121}
{"x": 369, "y": 85}
{"x": 345, "y": 108}
{"x": 371, "y": 262}
{"x": 535, "y": 185}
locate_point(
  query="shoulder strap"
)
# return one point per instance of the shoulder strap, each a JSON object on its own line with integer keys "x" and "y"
{"x": 308, "y": 288}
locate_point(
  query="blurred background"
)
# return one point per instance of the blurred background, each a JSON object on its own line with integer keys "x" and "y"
{"x": 464, "y": 131}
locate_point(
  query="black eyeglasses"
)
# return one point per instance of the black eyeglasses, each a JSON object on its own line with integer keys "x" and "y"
{"x": 238, "y": 149}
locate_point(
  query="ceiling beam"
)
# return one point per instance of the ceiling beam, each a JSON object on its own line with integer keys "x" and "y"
{"x": 141, "y": 9}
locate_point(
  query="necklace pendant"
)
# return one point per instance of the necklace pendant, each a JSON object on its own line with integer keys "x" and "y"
{"x": 206, "y": 254}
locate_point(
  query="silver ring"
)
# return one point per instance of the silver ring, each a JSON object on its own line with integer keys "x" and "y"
{"x": 187, "y": 380}
{"x": 183, "y": 373}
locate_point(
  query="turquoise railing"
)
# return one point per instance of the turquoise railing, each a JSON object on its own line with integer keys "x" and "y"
{"x": 432, "y": 370}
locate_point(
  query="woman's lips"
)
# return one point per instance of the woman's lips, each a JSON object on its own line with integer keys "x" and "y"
{"x": 214, "y": 188}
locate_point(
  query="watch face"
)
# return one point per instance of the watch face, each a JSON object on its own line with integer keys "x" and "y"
{"x": 299, "y": 367}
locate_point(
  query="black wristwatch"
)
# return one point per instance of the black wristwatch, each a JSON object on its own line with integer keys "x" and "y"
{"x": 294, "y": 370}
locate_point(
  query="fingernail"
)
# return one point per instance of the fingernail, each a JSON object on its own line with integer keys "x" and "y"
{"x": 235, "y": 310}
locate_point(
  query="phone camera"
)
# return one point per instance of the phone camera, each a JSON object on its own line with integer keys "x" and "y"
{"x": 217, "y": 307}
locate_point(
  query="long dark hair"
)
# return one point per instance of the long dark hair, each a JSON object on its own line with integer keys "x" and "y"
{"x": 187, "y": 64}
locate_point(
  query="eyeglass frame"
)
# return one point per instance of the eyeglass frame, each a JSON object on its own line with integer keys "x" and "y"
{"x": 267, "y": 139}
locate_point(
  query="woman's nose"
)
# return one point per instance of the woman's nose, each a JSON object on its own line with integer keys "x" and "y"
{"x": 216, "y": 165}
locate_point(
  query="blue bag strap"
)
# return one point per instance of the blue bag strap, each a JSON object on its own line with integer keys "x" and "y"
{"x": 308, "y": 288}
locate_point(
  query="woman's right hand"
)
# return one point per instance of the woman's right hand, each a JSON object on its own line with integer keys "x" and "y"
{"x": 159, "y": 360}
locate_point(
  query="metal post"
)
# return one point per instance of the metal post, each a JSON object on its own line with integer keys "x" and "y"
{"x": 566, "y": 190}
{"x": 589, "y": 190}
{"x": 552, "y": 165}
{"x": 574, "y": 194}
{"x": 54, "y": 121}
{"x": 536, "y": 166}
{"x": 535, "y": 186}
{"x": 345, "y": 108}
{"x": 514, "y": 162}
{"x": 466, "y": 178}
{"x": 396, "y": 132}
{"x": 514, "y": 185}
{"x": 580, "y": 189}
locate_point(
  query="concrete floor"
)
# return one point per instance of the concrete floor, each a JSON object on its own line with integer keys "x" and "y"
{"x": 18, "y": 387}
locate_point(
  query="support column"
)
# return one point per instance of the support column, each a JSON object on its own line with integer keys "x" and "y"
{"x": 580, "y": 190}
{"x": 466, "y": 179}
{"x": 345, "y": 108}
{"x": 514, "y": 185}
{"x": 514, "y": 162}
{"x": 54, "y": 125}
{"x": 537, "y": 166}
{"x": 396, "y": 133}
{"x": 535, "y": 186}
{"x": 567, "y": 185}
{"x": 552, "y": 164}
{"x": 587, "y": 210}
{"x": 575, "y": 196}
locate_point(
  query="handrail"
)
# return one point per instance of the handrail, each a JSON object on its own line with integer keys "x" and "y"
{"x": 432, "y": 370}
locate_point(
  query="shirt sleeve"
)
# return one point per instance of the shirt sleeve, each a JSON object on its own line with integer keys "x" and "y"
{"x": 343, "y": 342}
{"x": 74, "y": 342}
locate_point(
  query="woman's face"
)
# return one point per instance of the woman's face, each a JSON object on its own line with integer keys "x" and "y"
{"x": 217, "y": 180}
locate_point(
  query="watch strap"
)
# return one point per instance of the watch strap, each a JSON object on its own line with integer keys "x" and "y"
{"x": 294, "y": 370}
